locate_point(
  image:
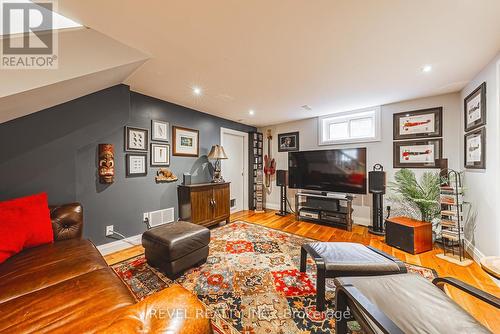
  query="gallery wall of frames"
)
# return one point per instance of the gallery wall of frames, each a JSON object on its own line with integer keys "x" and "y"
{"x": 418, "y": 138}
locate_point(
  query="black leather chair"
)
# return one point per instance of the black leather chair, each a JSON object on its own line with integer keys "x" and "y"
{"x": 407, "y": 303}
{"x": 340, "y": 259}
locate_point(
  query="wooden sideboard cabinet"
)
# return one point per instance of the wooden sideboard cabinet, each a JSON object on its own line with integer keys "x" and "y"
{"x": 204, "y": 204}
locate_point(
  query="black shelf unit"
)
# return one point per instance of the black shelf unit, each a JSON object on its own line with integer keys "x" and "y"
{"x": 338, "y": 214}
{"x": 256, "y": 166}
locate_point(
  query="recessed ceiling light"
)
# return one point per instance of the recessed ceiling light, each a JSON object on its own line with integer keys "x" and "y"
{"x": 196, "y": 90}
{"x": 251, "y": 112}
{"x": 426, "y": 68}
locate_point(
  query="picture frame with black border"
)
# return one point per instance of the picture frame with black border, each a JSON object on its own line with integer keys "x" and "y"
{"x": 474, "y": 114}
{"x": 160, "y": 131}
{"x": 136, "y": 139}
{"x": 136, "y": 164}
{"x": 288, "y": 142}
{"x": 475, "y": 149}
{"x": 398, "y": 156}
{"x": 422, "y": 123}
{"x": 160, "y": 155}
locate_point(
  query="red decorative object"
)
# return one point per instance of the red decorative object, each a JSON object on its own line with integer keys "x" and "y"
{"x": 106, "y": 163}
{"x": 269, "y": 162}
{"x": 293, "y": 283}
{"x": 24, "y": 223}
{"x": 239, "y": 246}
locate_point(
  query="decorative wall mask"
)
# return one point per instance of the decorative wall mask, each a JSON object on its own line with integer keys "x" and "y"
{"x": 106, "y": 163}
{"x": 165, "y": 175}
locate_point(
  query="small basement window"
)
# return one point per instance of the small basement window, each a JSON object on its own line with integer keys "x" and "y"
{"x": 350, "y": 127}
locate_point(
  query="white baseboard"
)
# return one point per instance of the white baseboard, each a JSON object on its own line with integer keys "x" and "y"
{"x": 272, "y": 206}
{"x": 362, "y": 221}
{"x": 119, "y": 245}
{"x": 473, "y": 251}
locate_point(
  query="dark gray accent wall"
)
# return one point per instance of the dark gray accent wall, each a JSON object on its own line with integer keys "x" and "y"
{"x": 55, "y": 150}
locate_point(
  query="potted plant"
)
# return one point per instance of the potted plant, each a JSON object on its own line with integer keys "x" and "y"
{"x": 418, "y": 198}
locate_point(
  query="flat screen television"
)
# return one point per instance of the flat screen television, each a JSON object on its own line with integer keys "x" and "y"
{"x": 340, "y": 170}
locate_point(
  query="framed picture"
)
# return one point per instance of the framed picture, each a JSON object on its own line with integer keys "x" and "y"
{"x": 288, "y": 142}
{"x": 417, "y": 153}
{"x": 160, "y": 130}
{"x": 160, "y": 154}
{"x": 475, "y": 108}
{"x": 475, "y": 149}
{"x": 136, "y": 139}
{"x": 425, "y": 123}
{"x": 136, "y": 165}
{"x": 186, "y": 142}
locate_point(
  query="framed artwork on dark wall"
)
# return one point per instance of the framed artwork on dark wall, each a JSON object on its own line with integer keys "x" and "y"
{"x": 160, "y": 130}
{"x": 136, "y": 165}
{"x": 417, "y": 153}
{"x": 425, "y": 123}
{"x": 185, "y": 142}
{"x": 160, "y": 154}
{"x": 475, "y": 149}
{"x": 288, "y": 142}
{"x": 136, "y": 139}
{"x": 475, "y": 108}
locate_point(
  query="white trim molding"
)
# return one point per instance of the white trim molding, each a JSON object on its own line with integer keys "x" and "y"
{"x": 473, "y": 251}
{"x": 245, "y": 159}
{"x": 324, "y": 122}
{"x": 118, "y": 245}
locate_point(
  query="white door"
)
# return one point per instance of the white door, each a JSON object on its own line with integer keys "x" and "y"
{"x": 234, "y": 169}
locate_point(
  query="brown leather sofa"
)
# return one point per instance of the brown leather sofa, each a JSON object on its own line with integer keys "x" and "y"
{"x": 68, "y": 287}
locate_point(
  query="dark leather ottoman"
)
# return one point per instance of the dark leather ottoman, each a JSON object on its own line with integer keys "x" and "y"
{"x": 176, "y": 247}
{"x": 341, "y": 259}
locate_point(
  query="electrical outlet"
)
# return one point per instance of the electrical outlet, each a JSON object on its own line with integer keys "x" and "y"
{"x": 145, "y": 216}
{"x": 110, "y": 230}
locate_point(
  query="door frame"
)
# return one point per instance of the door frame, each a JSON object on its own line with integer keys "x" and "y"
{"x": 244, "y": 135}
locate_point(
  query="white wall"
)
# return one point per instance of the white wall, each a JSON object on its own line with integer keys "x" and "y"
{"x": 377, "y": 152}
{"x": 483, "y": 186}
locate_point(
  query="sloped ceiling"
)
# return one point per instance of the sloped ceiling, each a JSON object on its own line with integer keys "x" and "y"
{"x": 88, "y": 61}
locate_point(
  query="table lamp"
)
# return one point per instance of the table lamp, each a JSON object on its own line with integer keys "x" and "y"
{"x": 217, "y": 153}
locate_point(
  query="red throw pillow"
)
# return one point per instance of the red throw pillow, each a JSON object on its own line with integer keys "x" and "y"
{"x": 25, "y": 219}
{"x": 12, "y": 237}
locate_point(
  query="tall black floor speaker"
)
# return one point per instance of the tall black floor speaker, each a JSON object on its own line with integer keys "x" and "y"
{"x": 376, "y": 186}
{"x": 282, "y": 182}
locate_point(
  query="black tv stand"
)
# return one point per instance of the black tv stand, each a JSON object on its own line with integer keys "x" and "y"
{"x": 327, "y": 208}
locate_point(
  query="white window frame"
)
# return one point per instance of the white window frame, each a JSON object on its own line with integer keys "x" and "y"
{"x": 349, "y": 116}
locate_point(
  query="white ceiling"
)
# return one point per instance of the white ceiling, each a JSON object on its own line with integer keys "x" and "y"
{"x": 275, "y": 56}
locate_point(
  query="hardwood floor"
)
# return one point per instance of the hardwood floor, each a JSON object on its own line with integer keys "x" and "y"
{"x": 473, "y": 274}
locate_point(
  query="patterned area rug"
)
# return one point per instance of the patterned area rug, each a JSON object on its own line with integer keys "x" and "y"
{"x": 251, "y": 282}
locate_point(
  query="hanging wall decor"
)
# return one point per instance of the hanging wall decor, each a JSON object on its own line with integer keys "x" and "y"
{"x": 106, "y": 163}
{"x": 475, "y": 149}
{"x": 160, "y": 130}
{"x": 160, "y": 154}
{"x": 417, "y": 153}
{"x": 165, "y": 175}
{"x": 418, "y": 124}
{"x": 136, "y": 165}
{"x": 475, "y": 108}
{"x": 136, "y": 139}
{"x": 288, "y": 142}
{"x": 185, "y": 142}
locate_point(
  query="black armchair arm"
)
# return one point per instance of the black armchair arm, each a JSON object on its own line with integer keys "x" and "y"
{"x": 440, "y": 282}
{"x": 349, "y": 296}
